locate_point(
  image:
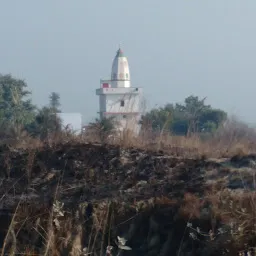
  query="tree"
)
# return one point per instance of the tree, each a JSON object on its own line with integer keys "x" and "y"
{"x": 46, "y": 121}
{"x": 17, "y": 111}
{"x": 211, "y": 119}
{"x": 193, "y": 116}
{"x": 157, "y": 118}
{"x": 55, "y": 102}
{"x": 45, "y": 124}
{"x": 192, "y": 110}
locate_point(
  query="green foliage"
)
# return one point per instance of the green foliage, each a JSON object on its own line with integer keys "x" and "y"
{"x": 211, "y": 119}
{"x": 19, "y": 115}
{"x": 157, "y": 118}
{"x": 194, "y": 116}
{"x": 46, "y": 123}
{"x": 16, "y": 109}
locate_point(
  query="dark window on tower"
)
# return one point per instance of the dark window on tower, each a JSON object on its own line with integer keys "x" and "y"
{"x": 122, "y": 103}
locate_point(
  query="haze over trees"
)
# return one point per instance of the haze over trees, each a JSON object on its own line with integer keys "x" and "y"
{"x": 55, "y": 102}
{"x": 193, "y": 116}
{"x": 18, "y": 115}
{"x": 46, "y": 121}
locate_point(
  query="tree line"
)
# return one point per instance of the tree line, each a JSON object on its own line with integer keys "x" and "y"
{"x": 193, "y": 116}
{"x": 18, "y": 115}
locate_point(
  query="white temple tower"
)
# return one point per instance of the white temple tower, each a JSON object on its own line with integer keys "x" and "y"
{"x": 118, "y": 99}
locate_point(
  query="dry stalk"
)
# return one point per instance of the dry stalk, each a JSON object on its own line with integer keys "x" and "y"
{"x": 50, "y": 232}
{"x": 7, "y": 164}
{"x": 77, "y": 242}
{"x": 97, "y": 229}
{"x": 30, "y": 162}
{"x": 104, "y": 230}
{"x": 169, "y": 117}
{"x": 11, "y": 231}
{"x": 110, "y": 224}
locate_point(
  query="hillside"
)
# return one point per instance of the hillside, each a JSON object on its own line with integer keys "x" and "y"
{"x": 63, "y": 199}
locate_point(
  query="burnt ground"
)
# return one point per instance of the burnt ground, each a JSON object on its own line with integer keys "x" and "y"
{"x": 150, "y": 198}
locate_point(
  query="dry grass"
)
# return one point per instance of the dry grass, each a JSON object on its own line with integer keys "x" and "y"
{"x": 231, "y": 139}
{"x": 236, "y": 211}
{"x": 58, "y": 235}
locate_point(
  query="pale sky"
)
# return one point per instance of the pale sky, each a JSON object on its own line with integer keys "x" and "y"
{"x": 175, "y": 48}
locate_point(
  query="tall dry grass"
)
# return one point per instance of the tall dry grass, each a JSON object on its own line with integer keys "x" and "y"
{"x": 231, "y": 138}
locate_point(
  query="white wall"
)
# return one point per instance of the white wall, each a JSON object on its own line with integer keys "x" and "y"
{"x": 128, "y": 115}
{"x": 110, "y": 99}
{"x": 131, "y": 103}
{"x": 129, "y": 121}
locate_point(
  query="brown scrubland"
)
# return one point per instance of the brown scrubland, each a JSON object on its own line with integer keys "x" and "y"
{"x": 156, "y": 194}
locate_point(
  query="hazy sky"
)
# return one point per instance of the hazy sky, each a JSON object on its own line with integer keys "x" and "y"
{"x": 174, "y": 47}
